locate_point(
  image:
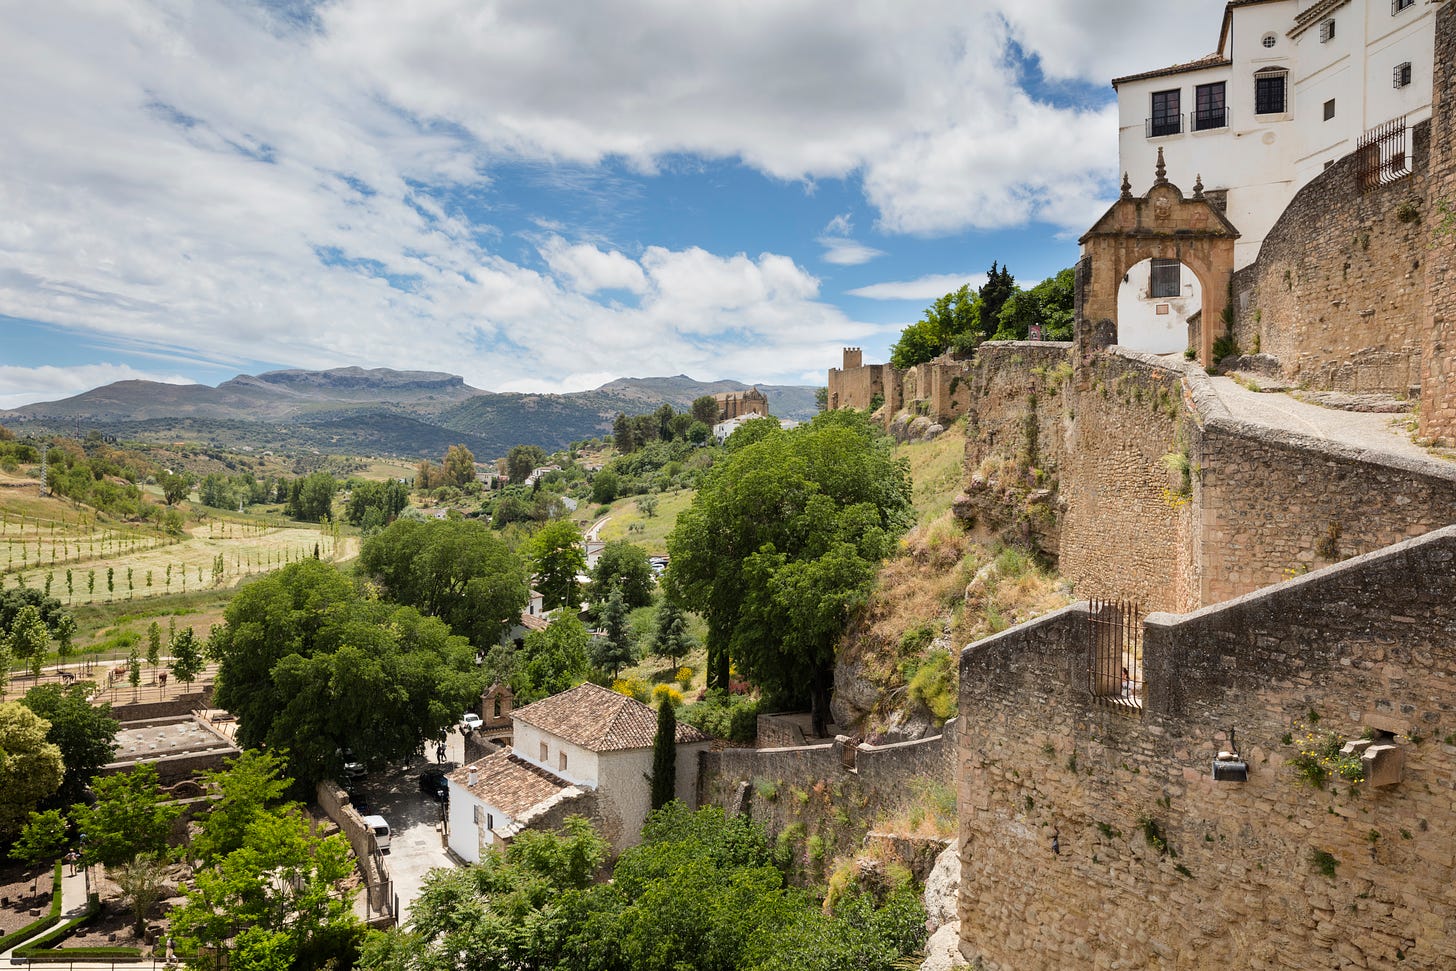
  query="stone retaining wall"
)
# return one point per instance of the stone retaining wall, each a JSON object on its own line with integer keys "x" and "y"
{"x": 1438, "y": 363}
{"x": 1076, "y": 817}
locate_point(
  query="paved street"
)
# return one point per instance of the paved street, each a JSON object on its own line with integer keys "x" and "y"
{"x": 418, "y": 844}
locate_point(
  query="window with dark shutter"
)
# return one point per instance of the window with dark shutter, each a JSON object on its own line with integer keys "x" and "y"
{"x": 1269, "y": 93}
{"x": 1167, "y": 279}
{"x": 1402, "y": 77}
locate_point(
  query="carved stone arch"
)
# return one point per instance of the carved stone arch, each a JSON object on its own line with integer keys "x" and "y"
{"x": 1162, "y": 224}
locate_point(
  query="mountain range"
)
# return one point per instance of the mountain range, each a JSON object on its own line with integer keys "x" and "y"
{"x": 374, "y": 411}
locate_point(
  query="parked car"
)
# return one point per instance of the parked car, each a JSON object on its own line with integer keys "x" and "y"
{"x": 470, "y": 721}
{"x": 353, "y": 768}
{"x": 380, "y": 829}
{"x": 433, "y": 784}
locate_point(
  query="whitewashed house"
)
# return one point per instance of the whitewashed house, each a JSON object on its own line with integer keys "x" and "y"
{"x": 588, "y": 746}
{"x": 1292, "y": 86}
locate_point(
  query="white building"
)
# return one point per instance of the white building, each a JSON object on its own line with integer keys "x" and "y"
{"x": 586, "y": 741}
{"x": 1292, "y": 86}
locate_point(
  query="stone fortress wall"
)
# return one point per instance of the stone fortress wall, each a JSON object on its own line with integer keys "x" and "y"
{"x": 1338, "y": 291}
{"x": 1438, "y": 361}
{"x": 828, "y": 787}
{"x": 1076, "y": 817}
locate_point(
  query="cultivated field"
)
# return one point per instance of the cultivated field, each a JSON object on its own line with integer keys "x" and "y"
{"x": 80, "y": 558}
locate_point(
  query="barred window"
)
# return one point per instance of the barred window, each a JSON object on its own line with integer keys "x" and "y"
{"x": 1167, "y": 279}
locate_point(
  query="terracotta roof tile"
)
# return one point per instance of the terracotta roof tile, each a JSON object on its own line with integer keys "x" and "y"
{"x": 599, "y": 720}
{"x": 1208, "y": 60}
{"x": 508, "y": 782}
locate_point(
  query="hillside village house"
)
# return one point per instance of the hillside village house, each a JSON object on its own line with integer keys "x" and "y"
{"x": 587, "y": 751}
{"x": 1292, "y": 86}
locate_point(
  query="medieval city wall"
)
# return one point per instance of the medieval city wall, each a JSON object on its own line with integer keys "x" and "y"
{"x": 835, "y": 791}
{"x": 1127, "y": 530}
{"x": 1095, "y": 837}
{"x": 1438, "y": 362}
{"x": 1273, "y": 504}
{"x": 1338, "y": 291}
{"x": 856, "y": 387}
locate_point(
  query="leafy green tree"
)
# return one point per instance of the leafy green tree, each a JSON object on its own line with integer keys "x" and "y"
{"x": 459, "y": 466}
{"x": 994, "y": 293}
{"x": 953, "y": 319}
{"x": 556, "y": 556}
{"x": 552, "y": 660}
{"x": 154, "y": 645}
{"x": 312, "y": 497}
{"x": 521, "y": 460}
{"x": 65, "y": 638}
{"x": 128, "y": 817}
{"x": 664, "y": 756}
{"x": 216, "y": 490}
{"x": 671, "y": 638}
{"x": 761, "y": 519}
{"x": 706, "y": 410}
{"x": 31, "y": 769}
{"x": 613, "y": 651}
{"x": 647, "y": 505}
{"x": 1049, "y": 303}
{"x": 187, "y": 660}
{"x": 280, "y": 898}
{"x": 702, "y": 891}
{"x": 457, "y": 570}
{"x": 42, "y": 840}
{"x": 13, "y": 600}
{"x": 310, "y": 666}
{"x": 245, "y": 788}
{"x": 175, "y": 486}
{"x": 605, "y": 486}
{"x": 623, "y": 437}
{"x": 85, "y": 734}
{"x": 28, "y": 638}
{"x": 625, "y": 567}
{"x": 374, "y": 505}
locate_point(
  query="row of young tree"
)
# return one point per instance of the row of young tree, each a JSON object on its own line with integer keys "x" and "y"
{"x": 997, "y": 310}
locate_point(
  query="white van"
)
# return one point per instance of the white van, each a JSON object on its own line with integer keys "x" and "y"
{"x": 380, "y": 829}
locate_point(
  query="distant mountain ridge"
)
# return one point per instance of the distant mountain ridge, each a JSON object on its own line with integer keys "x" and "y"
{"x": 372, "y": 411}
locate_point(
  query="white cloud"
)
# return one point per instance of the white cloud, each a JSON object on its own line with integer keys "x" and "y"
{"x": 28, "y": 385}
{"x": 839, "y": 246}
{"x": 589, "y": 269}
{"x": 1096, "y": 40}
{"x": 923, "y": 288}
{"x": 847, "y": 252}
{"x": 190, "y": 173}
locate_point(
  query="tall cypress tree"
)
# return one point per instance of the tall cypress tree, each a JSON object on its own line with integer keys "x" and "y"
{"x": 664, "y": 756}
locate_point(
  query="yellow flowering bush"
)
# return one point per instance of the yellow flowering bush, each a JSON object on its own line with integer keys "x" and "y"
{"x": 1319, "y": 757}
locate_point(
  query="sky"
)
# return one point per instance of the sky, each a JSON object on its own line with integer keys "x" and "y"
{"x": 538, "y": 195}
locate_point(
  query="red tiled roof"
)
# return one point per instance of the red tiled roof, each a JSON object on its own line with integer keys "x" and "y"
{"x": 1208, "y": 60}
{"x": 599, "y": 720}
{"x": 508, "y": 782}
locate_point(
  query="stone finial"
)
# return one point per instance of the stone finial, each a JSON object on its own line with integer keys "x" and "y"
{"x": 1161, "y": 169}
{"x": 1198, "y": 186}
{"x": 1126, "y": 186}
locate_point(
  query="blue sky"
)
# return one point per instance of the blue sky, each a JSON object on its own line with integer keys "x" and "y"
{"x": 537, "y": 194}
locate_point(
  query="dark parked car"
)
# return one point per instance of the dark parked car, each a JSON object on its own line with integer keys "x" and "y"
{"x": 432, "y": 783}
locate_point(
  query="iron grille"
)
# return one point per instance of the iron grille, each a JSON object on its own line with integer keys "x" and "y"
{"x": 1115, "y": 654}
{"x": 1382, "y": 156}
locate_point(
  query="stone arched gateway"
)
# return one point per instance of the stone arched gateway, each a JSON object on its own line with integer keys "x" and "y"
{"x": 1163, "y": 224}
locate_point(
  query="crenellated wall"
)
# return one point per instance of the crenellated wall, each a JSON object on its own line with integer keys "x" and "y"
{"x": 1092, "y": 836}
